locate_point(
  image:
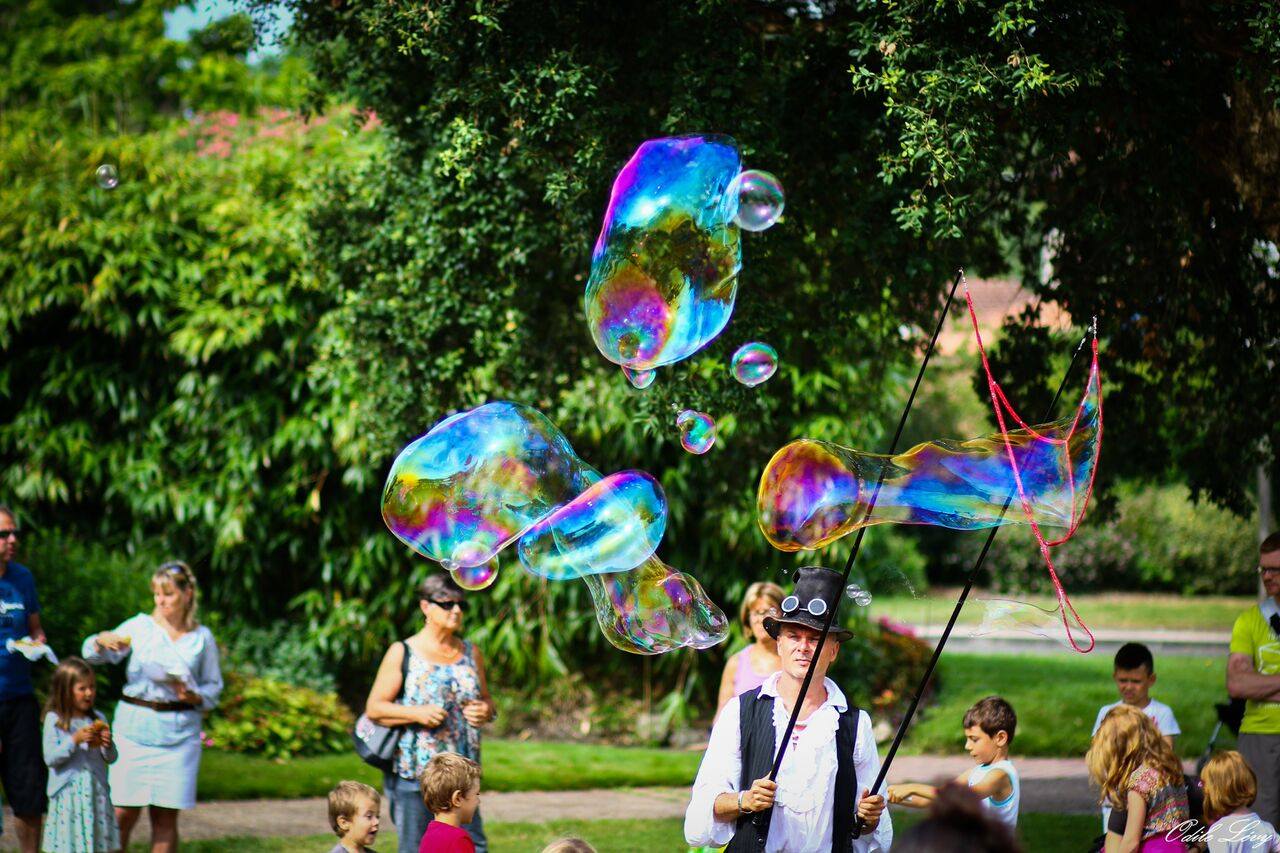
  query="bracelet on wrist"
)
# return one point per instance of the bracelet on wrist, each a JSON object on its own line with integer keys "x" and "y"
{"x": 741, "y": 810}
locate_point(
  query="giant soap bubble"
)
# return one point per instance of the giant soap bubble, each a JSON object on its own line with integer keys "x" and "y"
{"x": 815, "y": 492}
{"x": 503, "y": 473}
{"x": 664, "y": 272}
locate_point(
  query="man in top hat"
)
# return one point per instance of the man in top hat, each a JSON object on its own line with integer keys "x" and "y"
{"x": 829, "y": 764}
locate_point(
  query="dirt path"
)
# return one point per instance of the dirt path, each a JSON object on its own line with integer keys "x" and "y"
{"x": 1048, "y": 785}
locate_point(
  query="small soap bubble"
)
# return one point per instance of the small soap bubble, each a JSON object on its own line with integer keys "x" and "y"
{"x": 108, "y": 177}
{"x": 760, "y": 199}
{"x": 754, "y": 363}
{"x": 639, "y": 378}
{"x": 697, "y": 431}
{"x": 859, "y": 596}
{"x": 475, "y": 578}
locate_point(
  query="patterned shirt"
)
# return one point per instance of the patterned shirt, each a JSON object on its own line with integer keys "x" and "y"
{"x": 449, "y": 686}
{"x": 1166, "y": 803}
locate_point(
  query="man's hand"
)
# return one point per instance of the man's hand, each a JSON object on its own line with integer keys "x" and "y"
{"x": 761, "y": 795}
{"x": 870, "y": 808}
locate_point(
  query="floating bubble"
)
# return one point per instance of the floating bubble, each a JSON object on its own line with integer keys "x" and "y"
{"x": 615, "y": 525}
{"x": 664, "y": 272}
{"x": 754, "y": 363}
{"x": 858, "y": 595}
{"x": 108, "y": 177}
{"x": 639, "y": 378}
{"x": 814, "y": 492}
{"x": 503, "y": 473}
{"x": 760, "y": 199}
{"x": 697, "y": 431}
{"x": 653, "y": 609}
{"x": 476, "y": 578}
{"x": 1003, "y": 617}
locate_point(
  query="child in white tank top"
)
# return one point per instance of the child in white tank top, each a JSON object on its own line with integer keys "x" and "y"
{"x": 988, "y": 731}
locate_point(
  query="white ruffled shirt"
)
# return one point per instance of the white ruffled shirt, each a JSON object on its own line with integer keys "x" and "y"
{"x": 154, "y": 659}
{"x": 802, "y": 814}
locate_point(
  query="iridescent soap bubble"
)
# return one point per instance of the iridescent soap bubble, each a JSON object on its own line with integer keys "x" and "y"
{"x": 697, "y": 431}
{"x": 815, "y": 492}
{"x": 476, "y": 578}
{"x": 503, "y": 473}
{"x": 858, "y": 595}
{"x": 639, "y": 378}
{"x": 664, "y": 272}
{"x": 108, "y": 177}
{"x": 754, "y": 363}
{"x": 1005, "y": 617}
{"x": 653, "y": 608}
{"x": 760, "y": 199}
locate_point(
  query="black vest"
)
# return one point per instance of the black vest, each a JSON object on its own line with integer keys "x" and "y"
{"x": 758, "y": 741}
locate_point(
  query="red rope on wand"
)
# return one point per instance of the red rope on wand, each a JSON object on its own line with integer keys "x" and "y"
{"x": 1001, "y": 405}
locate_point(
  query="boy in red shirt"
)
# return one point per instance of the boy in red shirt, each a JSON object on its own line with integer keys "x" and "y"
{"x": 451, "y": 792}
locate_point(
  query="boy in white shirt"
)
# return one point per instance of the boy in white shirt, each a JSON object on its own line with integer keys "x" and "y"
{"x": 1135, "y": 675}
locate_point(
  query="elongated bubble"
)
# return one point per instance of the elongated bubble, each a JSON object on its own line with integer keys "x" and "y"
{"x": 815, "y": 492}
{"x": 664, "y": 273}
{"x": 503, "y": 473}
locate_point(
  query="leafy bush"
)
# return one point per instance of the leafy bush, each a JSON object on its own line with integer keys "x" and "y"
{"x": 281, "y": 651}
{"x": 277, "y": 720}
{"x": 1156, "y": 538}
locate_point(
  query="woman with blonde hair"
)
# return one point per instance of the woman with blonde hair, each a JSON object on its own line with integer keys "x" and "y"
{"x": 1137, "y": 771}
{"x": 748, "y": 669}
{"x": 1230, "y": 787}
{"x": 173, "y": 679}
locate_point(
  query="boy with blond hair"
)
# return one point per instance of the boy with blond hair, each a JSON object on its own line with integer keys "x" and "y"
{"x": 451, "y": 792}
{"x": 354, "y": 809}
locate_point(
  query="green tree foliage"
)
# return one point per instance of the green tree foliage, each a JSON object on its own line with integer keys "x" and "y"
{"x": 460, "y": 254}
{"x": 157, "y": 337}
{"x": 1129, "y": 151}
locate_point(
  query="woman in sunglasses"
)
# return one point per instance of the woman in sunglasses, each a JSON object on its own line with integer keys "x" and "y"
{"x": 432, "y": 685}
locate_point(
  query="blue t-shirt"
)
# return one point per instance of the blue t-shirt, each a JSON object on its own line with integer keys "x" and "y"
{"x": 17, "y": 602}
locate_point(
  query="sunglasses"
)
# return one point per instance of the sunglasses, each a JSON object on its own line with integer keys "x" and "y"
{"x": 10, "y": 534}
{"x": 791, "y": 604}
{"x": 449, "y": 604}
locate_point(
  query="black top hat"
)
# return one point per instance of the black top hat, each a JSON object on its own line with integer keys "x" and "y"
{"x": 817, "y": 590}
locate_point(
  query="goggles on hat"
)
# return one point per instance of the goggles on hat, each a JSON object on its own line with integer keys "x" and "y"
{"x": 791, "y": 604}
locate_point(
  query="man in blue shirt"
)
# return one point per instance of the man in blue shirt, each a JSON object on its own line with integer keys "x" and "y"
{"x": 22, "y": 769}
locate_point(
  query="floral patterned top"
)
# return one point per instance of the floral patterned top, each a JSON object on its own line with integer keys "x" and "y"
{"x": 450, "y": 686}
{"x": 1166, "y": 803}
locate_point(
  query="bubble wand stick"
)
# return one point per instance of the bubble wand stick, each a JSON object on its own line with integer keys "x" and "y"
{"x": 761, "y": 818}
{"x": 859, "y": 824}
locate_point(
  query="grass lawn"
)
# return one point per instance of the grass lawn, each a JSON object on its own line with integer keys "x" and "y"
{"x": 509, "y": 765}
{"x": 1057, "y": 698}
{"x": 1099, "y": 610}
{"x": 1045, "y": 833}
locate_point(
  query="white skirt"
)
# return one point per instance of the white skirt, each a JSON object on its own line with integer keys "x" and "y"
{"x": 155, "y": 775}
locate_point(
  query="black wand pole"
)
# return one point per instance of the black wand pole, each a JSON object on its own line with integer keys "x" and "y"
{"x": 955, "y": 613}
{"x": 857, "y": 544}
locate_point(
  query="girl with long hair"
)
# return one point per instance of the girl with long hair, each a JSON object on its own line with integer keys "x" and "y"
{"x": 1137, "y": 772}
